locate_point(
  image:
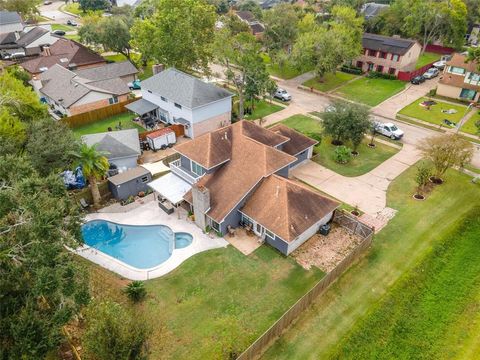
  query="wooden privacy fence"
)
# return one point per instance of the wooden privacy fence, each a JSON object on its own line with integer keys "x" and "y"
{"x": 255, "y": 350}
{"x": 89, "y": 117}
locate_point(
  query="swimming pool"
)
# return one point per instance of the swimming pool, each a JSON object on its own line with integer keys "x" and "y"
{"x": 140, "y": 246}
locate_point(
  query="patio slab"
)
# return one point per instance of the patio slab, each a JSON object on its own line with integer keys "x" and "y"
{"x": 244, "y": 242}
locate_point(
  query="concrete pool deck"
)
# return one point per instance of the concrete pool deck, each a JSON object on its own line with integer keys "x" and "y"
{"x": 151, "y": 214}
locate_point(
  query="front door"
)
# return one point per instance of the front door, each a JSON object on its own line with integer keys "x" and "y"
{"x": 258, "y": 230}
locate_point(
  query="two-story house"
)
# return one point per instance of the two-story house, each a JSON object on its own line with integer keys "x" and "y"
{"x": 238, "y": 176}
{"x": 174, "y": 97}
{"x": 460, "y": 79}
{"x": 387, "y": 54}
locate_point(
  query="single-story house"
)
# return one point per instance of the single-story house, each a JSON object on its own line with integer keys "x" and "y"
{"x": 388, "y": 54}
{"x": 460, "y": 79}
{"x": 174, "y": 97}
{"x": 122, "y": 147}
{"x": 72, "y": 92}
{"x": 30, "y": 41}
{"x": 10, "y": 21}
{"x": 129, "y": 183}
{"x": 238, "y": 176}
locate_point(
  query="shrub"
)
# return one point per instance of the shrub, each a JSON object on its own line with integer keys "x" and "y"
{"x": 380, "y": 75}
{"x": 422, "y": 177}
{"x": 351, "y": 70}
{"x": 136, "y": 291}
{"x": 342, "y": 154}
{"x": 315, "y": 136}
{"x": 432, "y": 92}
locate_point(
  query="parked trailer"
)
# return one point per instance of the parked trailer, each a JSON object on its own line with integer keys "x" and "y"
{"x": 161, "y": 139}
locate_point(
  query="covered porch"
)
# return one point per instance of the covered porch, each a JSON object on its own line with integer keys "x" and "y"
{"x": 169, "y": 191}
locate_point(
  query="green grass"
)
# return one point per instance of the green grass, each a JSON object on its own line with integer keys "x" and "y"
{"x": 434, "y": 115}
{"x": 429, "y": 311}
{"x": 396, "y": 249}
{"x": 103, "y": 125}
{"x": 63, "y": 27}
{"x": 367, "y": 160}
{"x": 371, "y": 91}
{"x": 285, "y": 72}
{"x": 426, "y": 58}
{"x": 74, "y": 37}
{"x": 116, "y": 58}
{"x": 469, "y": 126}
{"x": 73, "y": 8}
{"x": 330, "y": 81}
{"x": 215, "y": 300}
{"x": 262, "y": 108}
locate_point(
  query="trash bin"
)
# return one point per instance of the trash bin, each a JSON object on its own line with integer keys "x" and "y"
{"x": 324, "y": 229}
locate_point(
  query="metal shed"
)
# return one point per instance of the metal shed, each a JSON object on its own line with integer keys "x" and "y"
{"x": 129, "y": 183}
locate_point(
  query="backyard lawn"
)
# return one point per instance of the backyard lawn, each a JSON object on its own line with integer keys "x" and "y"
{"x": 435, "y": 114}
{"x": 371, "y": 91}
{"x": 433, "y": 311}
{"x": 262, "y": 109}
{"x": 216, "y": 303}
{"x": 367, "y": 160}
{"x": 103, "y": 125}
{"x": 330, "y": 81}
{"x": 426, "y": 58}
{"x": 397, "y": 249}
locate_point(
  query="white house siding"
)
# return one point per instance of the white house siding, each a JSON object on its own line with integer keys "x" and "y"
{"x": 307, "y": 234}
{"x": 211, "y": 110}
{"x": 6, "y": 28}
{"x": 91, "y": 97}
{"x": 46, "y": 39}
{"x": 169, "y": 106}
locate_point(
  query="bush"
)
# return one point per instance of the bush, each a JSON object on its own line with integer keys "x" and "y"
{"x": 342, "y": 154}
{"x": 432, "y": 92}
{"x": 422, "y": 177}
{"x": 315, "y": 136}
{"x": 351, "y": 70}
{"x": 136, "y": 291}
{"x": 380, "y": 75}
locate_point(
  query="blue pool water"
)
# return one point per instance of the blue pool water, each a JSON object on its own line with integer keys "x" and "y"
{"x": 142, "y": 247}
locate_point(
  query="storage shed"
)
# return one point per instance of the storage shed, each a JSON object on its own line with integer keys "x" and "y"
{"x": 129, "y": 183}
{"x": 162, "y": 138}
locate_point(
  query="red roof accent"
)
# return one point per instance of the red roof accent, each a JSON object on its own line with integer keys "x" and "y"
{"x": 158, "y": 133}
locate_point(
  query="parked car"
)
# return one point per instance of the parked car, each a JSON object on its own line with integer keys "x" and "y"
{"x": 48, "y": 2}
{"x": 443, "y": 61}
{"x": 58, "y": 32}
{"x": 389, "y": 130}
{"x": 431, "y": 73}
{"x": 417, "y": 80}
{"x": 282, "y": 95}
{"x": 15, "y": 55}
{"x": 134, "y": 85}
{"x": 71, "y": 23}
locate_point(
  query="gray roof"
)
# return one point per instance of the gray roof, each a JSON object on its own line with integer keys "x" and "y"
{"x": 108, "y": 71}
{"x": 387, "y": 44}
{"x": 129, "y": 175}
{"x": 118, "y": 144}
{"x": 370, "y": 10}
{"x": 184, "y": 89}
{"x": 141, "y": 106}
{"x": 7, "y": 38}
{"x": 9, "y": 17}
{"x": 28, "y": 37}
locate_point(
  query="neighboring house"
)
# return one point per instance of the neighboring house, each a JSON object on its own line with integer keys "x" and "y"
{"x": 122, "y": 147}
{"x": 256, "y": 27}
{"x": 371, "y": 9}
{"x": 74, "y": 92}
{"x": 174, "y": 97}
{"x": 66, "y": 53}
{"x": 30, "y": 41}
{"x": 460, "y": 79}
{"x": 238, "y": 175}
{"x": 387, "y": 54}
{"x": 129, "y": 183}
{"x": 10, "y": 21}
{"x": 473, "y": 35}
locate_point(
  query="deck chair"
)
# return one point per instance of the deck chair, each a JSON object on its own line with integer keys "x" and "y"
{"x": 84, "y": 204}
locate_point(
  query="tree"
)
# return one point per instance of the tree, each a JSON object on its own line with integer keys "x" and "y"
{"x": 94, "y": 165}
{"x": 446, "y": 151}
{"x": 477, "y": 125}
{"x": 112, "y": 333}
{"x": 360, "y": 123}
{"x": 252, "y": 6}
{"x": 48, "y": 155}
{"x": 240, "y": 56}
{"x": 136, "y": 290}
{"x": 86, "y": 5}
{"x": 422, "y": 177}
{"x": 178, "y": 34}
{"x": 280, "y": 27}
{"x": 221, "y": 6}
{"x": 26, "y": 8}
{"x": 235, "y": 25}
{"x": 474, "y": 55}
{"x": 42, "y": 287}
{"x": 12, "y": 133}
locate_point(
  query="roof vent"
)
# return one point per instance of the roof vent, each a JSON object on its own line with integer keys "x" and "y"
{"x": 226, "y": 135}
{"x": 60, "y": 100}
{"x": 277, "y": 191}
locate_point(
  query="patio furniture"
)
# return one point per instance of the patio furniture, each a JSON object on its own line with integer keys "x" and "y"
{"x": 166, "y": 206}
{"x": 231, "y": 231}
{"x": 84, "y": 204}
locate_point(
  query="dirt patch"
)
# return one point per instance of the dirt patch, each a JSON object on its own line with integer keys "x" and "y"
{"x": 326, "y": 252}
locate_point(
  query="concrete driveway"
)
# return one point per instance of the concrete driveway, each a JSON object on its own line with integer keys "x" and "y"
{"x": 53, "y": 12}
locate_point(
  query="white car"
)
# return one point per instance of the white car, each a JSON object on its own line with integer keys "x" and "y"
{"x": 282, "y": 95}
{"x": 15, "y": 55}
{"x": 443, "y": 61}
{"x": 389, "y": 130}
{"x": 431, "y": 73}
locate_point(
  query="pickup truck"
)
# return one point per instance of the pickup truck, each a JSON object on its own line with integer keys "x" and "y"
{"x": 389, "y": 130}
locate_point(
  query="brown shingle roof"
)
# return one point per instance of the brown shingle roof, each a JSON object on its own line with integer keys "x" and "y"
{"x": 287, "y": 208}
{"x": 455, "y": 80}
{"x": 459, "y": 61}
{"x": 297, "y": 143}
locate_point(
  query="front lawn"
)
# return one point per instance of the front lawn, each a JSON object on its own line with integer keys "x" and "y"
{"x": 329, "y": 81}
{"x": 469, "y": 126}
{"x": 116, "y": 58}
{"x": 262, "y": 108}
{"x": 432, "y": 312}
{"x": 215, "y": 301}
{"x": 288, "y": 71}
{"x": 63, "y": 27}
{"x": 435, "y": 114}
{"x": 371, "y": 91}
{"x": 367, "y": 160}
{"x": 103, "y": 125}
{"x": 74, "y": 37}
{"x": 73, "y": 8}
{"x": 426, "y": 58}
{"x": 396, "y": 249}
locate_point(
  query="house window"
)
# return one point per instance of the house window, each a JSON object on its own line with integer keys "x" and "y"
{"x": 144, "y": 179}
{"x": 215, "y": 226}
{"x": 395, "y": 57}
{"x": 456, "y": 70}
{"x": 359, "y": 64}
{"x": 370, "y": 66}
{"x": 392, "y": 71}
{"x": 246, "y": 220}
{"x": 468, "y": 94}
{"x": 197, "y": 169}
{"x": 113, "y": 100}
{"x": 163, "y": 98}
{"x": 269, "y": 234}
{"x": 372, "y": 53}
{"x": 472, "y": 78}
{"x": 380, "y": 68}
{"x": 383, "y": 55}
{"x": 178, "y": 105}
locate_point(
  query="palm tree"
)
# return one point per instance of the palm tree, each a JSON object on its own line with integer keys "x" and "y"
{"x": 94, "y": 165}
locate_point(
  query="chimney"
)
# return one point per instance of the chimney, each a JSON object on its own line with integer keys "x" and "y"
{"x": 46, "y": 50}
{"x": 201, "y": 203}
{"x": 157, "y": 68}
